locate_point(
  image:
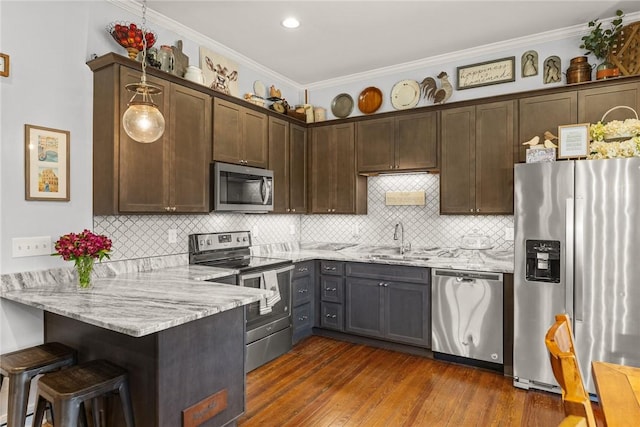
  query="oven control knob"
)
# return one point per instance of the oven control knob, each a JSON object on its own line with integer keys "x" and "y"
{"x": 208, "y": 242}
{"x": 244, "y": 239}
{"x": 238, "y": 239}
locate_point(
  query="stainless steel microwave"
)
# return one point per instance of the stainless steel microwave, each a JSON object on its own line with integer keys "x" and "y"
{"x": 242, "y": 188}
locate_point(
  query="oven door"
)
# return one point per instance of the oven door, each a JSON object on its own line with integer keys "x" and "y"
{"x": 280, "y": 311}
{"x": 242, "y": 188}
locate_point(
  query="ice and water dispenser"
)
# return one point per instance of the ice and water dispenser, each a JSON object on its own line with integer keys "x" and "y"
{"x": 543, "y": 261}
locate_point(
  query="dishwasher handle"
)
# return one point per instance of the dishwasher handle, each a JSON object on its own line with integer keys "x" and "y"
{"x": 467, "y": 276}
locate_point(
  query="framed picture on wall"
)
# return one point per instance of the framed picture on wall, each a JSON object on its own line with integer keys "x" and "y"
{"x": 46, "y": 154}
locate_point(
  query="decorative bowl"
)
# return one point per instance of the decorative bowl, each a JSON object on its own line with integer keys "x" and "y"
{"x": 129, "y": 36}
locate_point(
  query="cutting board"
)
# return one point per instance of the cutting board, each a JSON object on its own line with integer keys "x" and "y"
{"x": 181, "y": 60}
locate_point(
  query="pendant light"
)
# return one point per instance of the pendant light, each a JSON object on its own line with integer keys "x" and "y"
{"x": 142, "y": 120}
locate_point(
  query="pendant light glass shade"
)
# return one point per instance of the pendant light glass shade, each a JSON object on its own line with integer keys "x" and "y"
{"x": 142, "y": 120}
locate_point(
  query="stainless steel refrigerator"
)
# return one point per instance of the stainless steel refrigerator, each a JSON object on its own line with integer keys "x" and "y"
{"x": 577, "y": 251}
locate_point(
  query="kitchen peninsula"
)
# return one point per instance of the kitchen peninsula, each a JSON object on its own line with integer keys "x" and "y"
{"x": 180, "y": 338}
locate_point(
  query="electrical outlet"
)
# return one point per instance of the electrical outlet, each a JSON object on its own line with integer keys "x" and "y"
{"x": 508, "y": 233}
{"x": 172, "y": 235}
{"x": 356, "y": 230}
{"x": 31, "y": 246}
{"x": 292, "y": 229}
{"x": 255, "y": 232}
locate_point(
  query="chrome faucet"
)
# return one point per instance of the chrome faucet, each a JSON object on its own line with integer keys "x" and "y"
{"x": 400, "y": 228}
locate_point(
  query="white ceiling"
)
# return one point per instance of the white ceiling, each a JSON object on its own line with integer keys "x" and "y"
{"x": 340, "y": 38}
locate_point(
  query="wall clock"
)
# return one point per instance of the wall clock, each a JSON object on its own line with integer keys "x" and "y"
{"x": 4, "y": 65}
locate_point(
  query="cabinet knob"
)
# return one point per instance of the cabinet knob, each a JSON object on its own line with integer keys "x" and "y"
{"x": 333, "y": 210}
{"x": 173, "y": 209}
{"x": 293, "y": 210}
{"x": 328, "y": 210}
{"x": 390, "y": 166}
{"x": 380, "y": 284}
{"x": 471, "y": 210}
{"x": 288, "y": 210}
{"x": 167, "y": 208}
{"x": 397, "y": 166}
{"x": 478, "y": 210}
{"x": 385, "y": 285}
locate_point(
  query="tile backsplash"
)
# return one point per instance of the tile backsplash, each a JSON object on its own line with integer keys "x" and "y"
{"x": 137, "y": 236}
{"x": 423, "y": 225}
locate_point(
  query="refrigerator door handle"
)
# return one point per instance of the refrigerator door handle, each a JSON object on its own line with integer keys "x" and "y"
{"x": 578, "y": 257}
{"x": 568, "y": 257}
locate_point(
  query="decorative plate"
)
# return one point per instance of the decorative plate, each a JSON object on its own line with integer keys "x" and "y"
{"x": 405, "y": 94}
{"x": 259, "y": 89}
{"x": 342, "y": 105}
{"x": 370, "y": 100}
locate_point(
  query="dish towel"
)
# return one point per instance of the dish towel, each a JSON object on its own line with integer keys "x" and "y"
{"x": 271, "y": 283}
{"x": 264, "y": 307}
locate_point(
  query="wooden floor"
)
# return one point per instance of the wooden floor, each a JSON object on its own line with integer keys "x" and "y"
{"x": 324, "y": 382}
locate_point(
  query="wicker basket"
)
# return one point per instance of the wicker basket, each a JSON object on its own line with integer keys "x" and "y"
{"x": 626, "y": 52}
{"x": 618, "y": 137}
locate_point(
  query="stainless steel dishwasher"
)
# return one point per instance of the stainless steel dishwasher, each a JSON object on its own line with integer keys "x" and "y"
{"x": 466, "y": 314}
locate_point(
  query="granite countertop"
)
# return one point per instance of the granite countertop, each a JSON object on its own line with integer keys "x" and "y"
{"x": 451, "y": 258}
{"x": 139, "y": 304}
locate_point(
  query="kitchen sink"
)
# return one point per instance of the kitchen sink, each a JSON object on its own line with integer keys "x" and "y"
{"x": 398, "y": 257}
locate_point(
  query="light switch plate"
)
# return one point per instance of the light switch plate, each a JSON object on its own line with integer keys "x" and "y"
{"x": 31, "y": 246}
{"x": 172, "y": 235}
{"x": 508, "y": 233}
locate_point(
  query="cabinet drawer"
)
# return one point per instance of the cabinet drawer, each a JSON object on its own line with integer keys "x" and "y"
{"x": 389, "y": 272}
{"x": 302, "y": 317}
{"x": 332, "y": 267}
{"x": 331, "y": 316}
{"x": 302, "y": 290}
{"x": 332, "y": 289}
{"x": 303, "y": 269}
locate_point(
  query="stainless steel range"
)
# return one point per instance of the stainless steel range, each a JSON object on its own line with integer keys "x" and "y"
{"x": 268, "y": 322}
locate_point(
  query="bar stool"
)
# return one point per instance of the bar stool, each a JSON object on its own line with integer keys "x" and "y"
{"x": 67, "y": 391}
{"x": 21, "y": 366}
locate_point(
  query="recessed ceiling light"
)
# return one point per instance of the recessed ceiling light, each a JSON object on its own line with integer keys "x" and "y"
{"x": 291, "y": 22}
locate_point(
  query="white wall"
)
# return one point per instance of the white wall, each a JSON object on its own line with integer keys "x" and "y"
{"x": 50, "y": 85}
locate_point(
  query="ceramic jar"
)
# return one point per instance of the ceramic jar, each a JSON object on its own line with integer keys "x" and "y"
{"x": 579, "y": 70}
{"x": 194, "y": 74}
{"x": 320, "y": 114}
{"x": 166, "y": 58}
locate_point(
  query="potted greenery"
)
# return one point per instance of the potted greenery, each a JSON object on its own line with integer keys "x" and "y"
{"x": 600, "y": 41}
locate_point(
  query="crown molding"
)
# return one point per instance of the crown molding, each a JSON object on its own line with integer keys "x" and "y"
{"x": 499, "y": 47}
{"x": 134, "y": 7}
{"x": 171, "y": 25}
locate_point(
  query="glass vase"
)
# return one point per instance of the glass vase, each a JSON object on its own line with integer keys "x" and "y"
{"x": 84, "y": 267}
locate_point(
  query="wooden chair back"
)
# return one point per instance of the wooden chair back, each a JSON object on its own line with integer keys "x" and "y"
{"x": 564, "y": 363}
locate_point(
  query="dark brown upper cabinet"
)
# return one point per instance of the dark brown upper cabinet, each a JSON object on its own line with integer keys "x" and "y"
{"x": 539, "y": 114}
{"x": 335, "y": 186}
{"x": 393, "y": 144}
{"x": 594, "y": 103}
{"x": 170, "y": 175}
{"x": 240, "y": 134}
{"x": 288, "y": 160}
{"x": 476, "y": 174}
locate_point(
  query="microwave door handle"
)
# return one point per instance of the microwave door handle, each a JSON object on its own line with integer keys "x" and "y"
{"x": 265, "y": 190}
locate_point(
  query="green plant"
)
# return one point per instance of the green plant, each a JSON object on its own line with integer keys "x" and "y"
{"x": 600, "y": 41}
